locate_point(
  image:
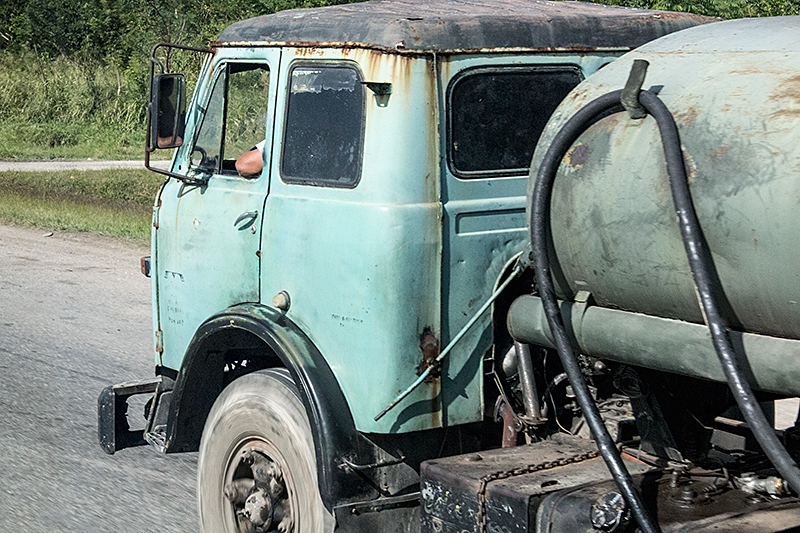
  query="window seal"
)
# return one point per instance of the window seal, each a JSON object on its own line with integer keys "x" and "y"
{"x": 472, "y": 175}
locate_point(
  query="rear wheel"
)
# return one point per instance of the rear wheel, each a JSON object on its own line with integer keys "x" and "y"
{"x": 257, "y": 467}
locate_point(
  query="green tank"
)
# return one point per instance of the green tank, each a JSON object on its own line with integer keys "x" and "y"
{"x": 734, "y": 90}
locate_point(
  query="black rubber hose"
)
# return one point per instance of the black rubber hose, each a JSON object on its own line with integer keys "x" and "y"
{"x": 703, "y": 270}
{"x": 540, "y": 221}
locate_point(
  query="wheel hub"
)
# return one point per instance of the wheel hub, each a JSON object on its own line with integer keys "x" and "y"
{"x": 258, "y": 509}
{"x": 257, "y": 492}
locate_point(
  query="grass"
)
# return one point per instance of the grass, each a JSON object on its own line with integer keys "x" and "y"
{"x": 110, "y": 202}
{"x": 65, "y": 140}
{"x": 68, "y": 108}
{"x": 24, "y": 141}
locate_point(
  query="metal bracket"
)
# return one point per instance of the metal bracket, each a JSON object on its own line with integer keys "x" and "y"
{"x": 113, "y": 430}
{"x": 390, "y": 513}
{"x": 630, "y": 94}
{"x": 379, "y": 464}
{"x": 382, "y": 91}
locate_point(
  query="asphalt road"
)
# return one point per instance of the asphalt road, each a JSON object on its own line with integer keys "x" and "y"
{"x": 73, "y": 164}
{"x": 75, "y": 317}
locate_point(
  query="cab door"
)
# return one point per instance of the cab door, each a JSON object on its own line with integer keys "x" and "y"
{"x": 206, "y": 244}
{"x": 495, "y": 109}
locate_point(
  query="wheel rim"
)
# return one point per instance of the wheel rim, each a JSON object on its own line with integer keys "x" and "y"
{"x": 258, "y": 491}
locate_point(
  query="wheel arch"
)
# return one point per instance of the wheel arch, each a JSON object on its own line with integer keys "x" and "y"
{"x": 202, "y": 377}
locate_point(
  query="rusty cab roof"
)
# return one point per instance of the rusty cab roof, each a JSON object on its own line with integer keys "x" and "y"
{"x": 425, "y": 26}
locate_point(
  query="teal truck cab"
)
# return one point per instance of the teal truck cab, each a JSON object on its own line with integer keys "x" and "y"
{"x": 325, "y": 325}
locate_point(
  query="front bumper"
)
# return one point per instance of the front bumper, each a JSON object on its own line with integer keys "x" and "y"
{"x": 113, "y": 430}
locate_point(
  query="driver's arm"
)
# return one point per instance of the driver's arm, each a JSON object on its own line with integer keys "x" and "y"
{"x": 250, "y": 163}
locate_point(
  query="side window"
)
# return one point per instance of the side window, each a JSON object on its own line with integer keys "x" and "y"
{"x": 495, "y": 117}
{"x": 234, "y": 120}
{"x": 324, "y": 126}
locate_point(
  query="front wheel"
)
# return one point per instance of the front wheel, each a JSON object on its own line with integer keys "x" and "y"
{"x": 257, "y": 468}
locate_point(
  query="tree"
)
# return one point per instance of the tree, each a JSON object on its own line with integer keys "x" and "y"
{"x": 65, "y": 27}
{"x": 12, "y": 34}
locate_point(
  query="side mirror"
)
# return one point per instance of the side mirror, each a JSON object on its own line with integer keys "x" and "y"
{"x": 167, "y": 110}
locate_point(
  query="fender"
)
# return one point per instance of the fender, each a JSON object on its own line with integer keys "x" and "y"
{"x": 335, "y": 436}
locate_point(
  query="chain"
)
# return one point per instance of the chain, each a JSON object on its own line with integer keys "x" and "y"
{"x": 538, "y": 467}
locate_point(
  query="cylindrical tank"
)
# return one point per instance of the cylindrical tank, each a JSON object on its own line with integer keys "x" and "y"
{"x": 734, "y": 90}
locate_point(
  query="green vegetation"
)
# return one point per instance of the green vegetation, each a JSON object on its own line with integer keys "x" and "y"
{"x": 73, "y": 75}
{"x": 58, "y": 108}
{"x": 111, "y": 202}
{"x": 727, "y": 9}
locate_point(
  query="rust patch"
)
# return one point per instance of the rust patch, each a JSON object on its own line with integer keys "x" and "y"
{"x": 687, "y": 116}
{"x": 348, "y": 45}
{"x": 793, "y": 86}
{"x": 746, "y": 71}
{"x": 578, "y": 156}
{"x": 421, "y": 52}
{"x": 309, "y": 51}
{"x": 720, "y": 152}
{"x": 431, "y": 94}
{"x": 436, "y": 407}
{"x": 788, "y": 113}
{"x": 429, "y": 345}
{"x": 375, "y": 65}
{"x": 788, "y": 95}
{"x": 511, "y": 424}
{"x": 632, "y": 459}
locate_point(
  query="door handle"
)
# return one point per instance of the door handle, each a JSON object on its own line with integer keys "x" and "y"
{"x": 245, "y": 216}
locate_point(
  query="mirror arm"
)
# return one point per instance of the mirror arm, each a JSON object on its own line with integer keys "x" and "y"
{"x": 201, "y": 181}
{"x": 153, "y": 58}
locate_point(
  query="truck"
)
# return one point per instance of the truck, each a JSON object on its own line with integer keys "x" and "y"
{"x": 477, "y": 266}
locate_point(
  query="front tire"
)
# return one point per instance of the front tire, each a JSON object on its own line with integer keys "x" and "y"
{"x": 257, "y": 469}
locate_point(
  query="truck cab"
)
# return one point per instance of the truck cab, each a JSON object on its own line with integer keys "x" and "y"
{"x": 395, "y": 140}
